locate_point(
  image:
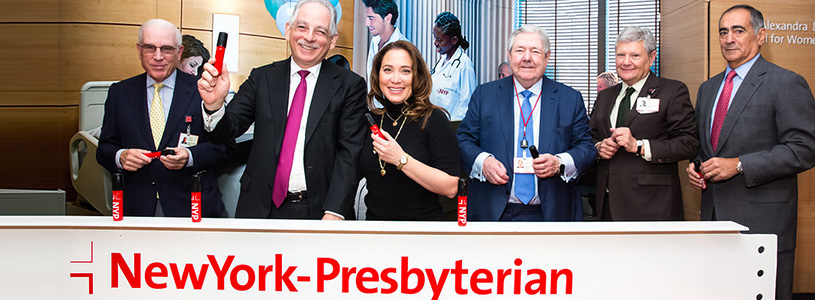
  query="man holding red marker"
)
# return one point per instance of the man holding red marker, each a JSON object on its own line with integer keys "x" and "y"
{"x": 152, "y": 132}
{"x": 309, "y": 124}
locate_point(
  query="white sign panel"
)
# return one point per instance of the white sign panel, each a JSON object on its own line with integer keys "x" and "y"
{"x": 153, "y": 258}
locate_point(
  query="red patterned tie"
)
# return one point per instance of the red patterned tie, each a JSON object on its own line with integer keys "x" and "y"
{"x": 721, "y": 109}
{"x": 281, "y": 178}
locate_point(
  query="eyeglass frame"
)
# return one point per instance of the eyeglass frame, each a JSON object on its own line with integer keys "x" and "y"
{"x": 164, "y": 49}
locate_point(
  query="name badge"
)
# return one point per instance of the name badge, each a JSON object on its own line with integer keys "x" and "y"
{"x": 187, "y": 140}
{"x": 647, "y": 105}
{"x": 523, "y": 165}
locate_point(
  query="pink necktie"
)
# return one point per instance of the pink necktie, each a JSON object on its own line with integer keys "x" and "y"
{"x": 721, "y": 109}
{"x": 281, "y": 178}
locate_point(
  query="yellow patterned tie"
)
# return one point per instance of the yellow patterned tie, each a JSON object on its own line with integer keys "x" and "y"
{"x": 157, "y": 114}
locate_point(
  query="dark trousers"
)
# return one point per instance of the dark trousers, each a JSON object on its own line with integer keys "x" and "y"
{"x": 293, "y": 210}
{"x": 516, "y": 212}
{"x": 784, "y": 274}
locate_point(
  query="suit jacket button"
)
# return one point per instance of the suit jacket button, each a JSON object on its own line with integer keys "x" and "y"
{"x": 507, "y": 193}
{"x": 153, "y": 183}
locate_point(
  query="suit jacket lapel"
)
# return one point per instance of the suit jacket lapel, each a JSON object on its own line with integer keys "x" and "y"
{"x": 506, "y": 112}
{"x": 182, "y": 96}
{"x": 278, "y": 99}
{"x": 548, "y": 114}
{"x": 604, "y": 107}
{"x": 706, "y": 110}
{"x": 651, "y": 83}
{"x": 324, "y": 91}
{"x": 138, "y": 105}
{"x": 746, "y": 90}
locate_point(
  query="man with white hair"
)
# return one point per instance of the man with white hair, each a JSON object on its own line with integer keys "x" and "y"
{"x": 154, "y": 111}
{"x": 308, "y": 120}
{"x": 509, "y": 116}
{"x": 641, "y": 127}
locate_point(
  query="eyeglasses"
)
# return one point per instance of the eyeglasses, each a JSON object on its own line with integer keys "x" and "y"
{"x": 151, "y": 49}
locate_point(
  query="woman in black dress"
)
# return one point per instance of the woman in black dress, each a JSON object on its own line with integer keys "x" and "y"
{"x": 418, "y": 159}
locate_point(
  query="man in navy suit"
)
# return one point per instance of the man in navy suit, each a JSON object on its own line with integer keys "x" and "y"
{"x": 157, "y": 110}
{"x": 505, "y": 119}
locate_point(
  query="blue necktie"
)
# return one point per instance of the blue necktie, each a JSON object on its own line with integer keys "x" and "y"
{"x": 525, "y": 183}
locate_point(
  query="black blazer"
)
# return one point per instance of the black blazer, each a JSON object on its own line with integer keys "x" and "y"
{"x": 638, "y": 189}
{"x": 126, "y": 124}
{"x": 334, "y": 135}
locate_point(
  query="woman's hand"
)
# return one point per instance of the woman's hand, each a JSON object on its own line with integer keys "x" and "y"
{"x": 388, "y": 150}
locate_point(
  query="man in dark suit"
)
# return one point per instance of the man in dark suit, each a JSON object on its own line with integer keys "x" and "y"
{"x": 157, "y": 110}
{"x": 757, "y": 132}
{"x": 308, "y": 124}
{"x": 506, "y": 117}
{"x": 641, "y": 128}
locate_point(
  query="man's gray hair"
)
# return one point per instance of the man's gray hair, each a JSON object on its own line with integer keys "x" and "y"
{"x": 756, "y": 17}
{"x": 332, "y": 27}
{"x": 159, "y": 23}
{"x": 636, "y": 34}
{"x": 529, "y": 28}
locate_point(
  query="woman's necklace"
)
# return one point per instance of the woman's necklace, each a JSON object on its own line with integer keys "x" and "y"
{"x": 394, "y": 120}
{"x": 381, "y": 163}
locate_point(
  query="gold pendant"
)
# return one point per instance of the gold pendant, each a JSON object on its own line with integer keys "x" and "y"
{"x": 382, "y": 172}
{"x": 395, "y": 123}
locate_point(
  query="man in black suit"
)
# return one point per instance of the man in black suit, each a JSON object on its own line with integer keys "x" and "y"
{"x": 153, "y": 111}
{"x": 757, "y": 132}
{"x": 309, "y": 126}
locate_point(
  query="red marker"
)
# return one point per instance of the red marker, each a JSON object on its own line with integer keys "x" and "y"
{"x": 195, "y": 201}
{"x": 154, "y": 155}
{"x": 117, "y": 207}
{"x": 219, "y": 52}
{"x": 462, "y": 202}
{"x": 374, "y": 127}
{"x": 696, "y": 166}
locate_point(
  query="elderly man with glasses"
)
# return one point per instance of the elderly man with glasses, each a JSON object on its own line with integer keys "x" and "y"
{"x": 154, "y": 111}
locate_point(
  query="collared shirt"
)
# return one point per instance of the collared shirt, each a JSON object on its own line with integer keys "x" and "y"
{"x": 646, "y": 145}
{"x": 453, "y": 84}
{"x": 374, "y": 48}
{"x": 297, "y": 179}
{"x": 570, "y": 171}
{"x": 166, "y": 93}
{"x": 741, "y": 72}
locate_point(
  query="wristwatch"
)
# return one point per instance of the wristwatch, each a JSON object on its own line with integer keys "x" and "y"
{"x": 402, "y": 161}
{"x": 639, "y": 147}
{"x": 739, "y": 168}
